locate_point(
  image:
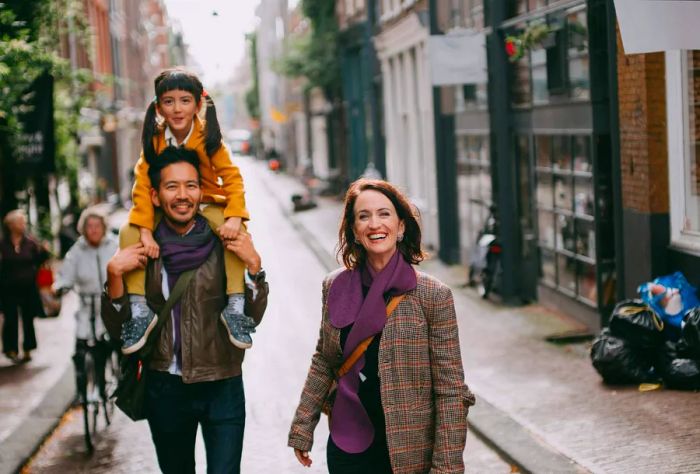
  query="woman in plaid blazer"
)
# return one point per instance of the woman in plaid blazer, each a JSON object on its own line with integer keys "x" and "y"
{"x": 402, "y": 405}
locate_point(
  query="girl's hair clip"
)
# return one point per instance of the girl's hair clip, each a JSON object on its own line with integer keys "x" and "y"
{"x": 155, "y": 99}
{"x": 204, "y": 93}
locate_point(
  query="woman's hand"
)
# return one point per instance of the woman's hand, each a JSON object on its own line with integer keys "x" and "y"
{"x": 230, "y": 229}
{"x": 302, "y": 457}
{"x": 149, "y": 244}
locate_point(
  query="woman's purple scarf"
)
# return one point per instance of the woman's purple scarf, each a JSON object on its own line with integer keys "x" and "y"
{"x": 181, "y": 253}
{"x": 351, "y": 428}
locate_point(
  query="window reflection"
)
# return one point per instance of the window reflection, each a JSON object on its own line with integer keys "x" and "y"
{"x": 582, "y": 154}
{"x": 565, "y": 233}
{"x": 565, "y": 214}
{"x": 583, "y": 196}
{"x": 546, "y": 228}
{"x": 563, "y": 192}
{"x": 566, "y": 272}
{"x": 473, "y": 187}
{"x": 588, "y": 289}
{"x": 585, "y": 238}
{"x": 544, "y": 152}
{"x": 549, "y": 272}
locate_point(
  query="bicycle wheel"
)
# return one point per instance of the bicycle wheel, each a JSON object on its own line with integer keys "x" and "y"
{"x": 110, "y": 380}
{"x": 91, "y": 402}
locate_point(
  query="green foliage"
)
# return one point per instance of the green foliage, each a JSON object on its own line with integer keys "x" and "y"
{"x": 314, "y": 55}
{"x": 29, "y": 35}
{"x": 252, "y": 96}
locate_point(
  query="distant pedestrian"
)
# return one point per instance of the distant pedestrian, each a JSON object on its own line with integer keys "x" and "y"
{"x": 20, "y": 258}
{"x": 402, "y": 405}
{"x": 84, "y": 270}
{"x": 172, "y": 120}
{"x": 195, "y": 373}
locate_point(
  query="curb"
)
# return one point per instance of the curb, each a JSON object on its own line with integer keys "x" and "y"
{"x": 22, "y": 443}
{"x": 511, "y": 440}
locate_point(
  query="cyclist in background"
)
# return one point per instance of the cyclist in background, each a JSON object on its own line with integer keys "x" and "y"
{"x": 84, "y": 270}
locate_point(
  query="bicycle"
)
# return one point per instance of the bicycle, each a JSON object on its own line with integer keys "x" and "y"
{"x": 97, "y": 372}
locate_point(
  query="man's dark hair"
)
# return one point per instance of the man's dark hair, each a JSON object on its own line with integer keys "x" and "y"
{"x": 169, "y": 156}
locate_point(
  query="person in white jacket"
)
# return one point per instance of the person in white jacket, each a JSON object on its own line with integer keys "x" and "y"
{"x": 84, "y": 270}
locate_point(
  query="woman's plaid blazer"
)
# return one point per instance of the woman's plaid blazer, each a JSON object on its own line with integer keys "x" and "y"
{"x": 424, "y": 396}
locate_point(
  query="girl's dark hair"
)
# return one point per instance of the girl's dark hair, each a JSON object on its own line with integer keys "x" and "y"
{"x": 179, "y": 79}
{"x": 353, "y": 254}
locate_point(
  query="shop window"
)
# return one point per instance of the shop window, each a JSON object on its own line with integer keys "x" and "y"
{"x": 556, "y": 69}
{"x": 683, "y": 105}
{"x": 473, "y": 187}
{"x": 566, "y": 225}
{"x": 519, "y": 7}
{"x": 471, "y": 97}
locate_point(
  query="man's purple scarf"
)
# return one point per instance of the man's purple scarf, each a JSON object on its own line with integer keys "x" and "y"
{"x": 351, "y": 428}
{"x": 181, "y": 253}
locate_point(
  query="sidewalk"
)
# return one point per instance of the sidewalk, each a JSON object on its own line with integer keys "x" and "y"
{"x": 541, "y": 405}
{"x": 34, "y": 396}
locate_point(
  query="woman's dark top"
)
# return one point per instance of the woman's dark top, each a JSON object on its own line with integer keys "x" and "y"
{"x": 18, "y": 268}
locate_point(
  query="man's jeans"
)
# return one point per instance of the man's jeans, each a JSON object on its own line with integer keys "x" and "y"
{"x": 175, "y": 409}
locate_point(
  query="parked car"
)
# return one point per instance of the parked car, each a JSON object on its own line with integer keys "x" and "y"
{"x": 239, "y": 141}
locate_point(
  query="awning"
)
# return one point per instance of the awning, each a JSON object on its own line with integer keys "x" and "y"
{"x": 658, "y": 25}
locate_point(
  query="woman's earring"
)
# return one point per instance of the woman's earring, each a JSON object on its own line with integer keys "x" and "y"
{"x": 399, "y": 237}
{"x": 357, "y": 241}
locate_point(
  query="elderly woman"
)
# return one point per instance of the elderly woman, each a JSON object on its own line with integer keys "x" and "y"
{"x": 85, "y": 271}
{"x": 401, "y": 404}
{"x": 20, "y": 257}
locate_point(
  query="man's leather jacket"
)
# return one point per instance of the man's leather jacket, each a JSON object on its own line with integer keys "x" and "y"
{"x": 207, "y": 354}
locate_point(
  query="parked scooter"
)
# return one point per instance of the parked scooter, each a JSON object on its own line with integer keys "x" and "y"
{"x": 485, "y": 267}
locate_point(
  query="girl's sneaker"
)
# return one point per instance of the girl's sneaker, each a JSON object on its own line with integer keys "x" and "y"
{"x": 238, "y": 325}
{"x": 135, "y": 331}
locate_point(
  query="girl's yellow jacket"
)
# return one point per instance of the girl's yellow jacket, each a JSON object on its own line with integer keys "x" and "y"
{"x": 229, "y": 194}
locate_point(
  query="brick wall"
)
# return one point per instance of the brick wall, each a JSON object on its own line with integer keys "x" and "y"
{"x": 643, "y": 148}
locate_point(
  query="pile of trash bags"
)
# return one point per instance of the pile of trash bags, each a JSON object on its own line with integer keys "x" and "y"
{"x": 654, "y": 339}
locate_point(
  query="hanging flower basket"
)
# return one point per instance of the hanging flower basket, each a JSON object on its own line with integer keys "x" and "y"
{"x": 514, "y": 48}
{"x": 534, "y": 36}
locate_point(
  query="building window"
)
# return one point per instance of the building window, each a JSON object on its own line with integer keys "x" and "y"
{"x": 557, "y": 70}
{"x": 683, "y": 100}
{"x": 473, "y": 188}
{"x": 565, "y": 215}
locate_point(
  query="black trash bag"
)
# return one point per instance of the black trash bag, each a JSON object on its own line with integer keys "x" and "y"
{"x": 637, "y": 323}
{"x": 691, "y": 332}
{"x": 675, "y": 363}
{"x": 619, "y": 362}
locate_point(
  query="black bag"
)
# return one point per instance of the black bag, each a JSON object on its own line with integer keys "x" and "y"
{"x": 691, "y": 331}
{"x": 619, "y": 362}
{"x": 131, "y": 389}
{"x": 678, "y": 366}
{"x": 637, "y": 323}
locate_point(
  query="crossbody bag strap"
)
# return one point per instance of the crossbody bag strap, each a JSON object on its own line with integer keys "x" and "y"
{"x": 175, "y": 295}
{"x": 362, "y": 347}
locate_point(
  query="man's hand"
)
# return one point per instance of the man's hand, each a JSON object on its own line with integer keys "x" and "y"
{"x": 125, "y": 260}
{"x": 230, "y": 229}
{"x": 303, "y": 457}
{"x": 243, "y": 247}
{"x": 149, "y": 244}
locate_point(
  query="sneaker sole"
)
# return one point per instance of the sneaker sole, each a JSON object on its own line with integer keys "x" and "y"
{"x": 234, "y": 341}
{"x": 142, "y": 341}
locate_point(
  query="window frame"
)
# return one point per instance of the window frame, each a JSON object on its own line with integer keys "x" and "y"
{"x": 677, "y": 129}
